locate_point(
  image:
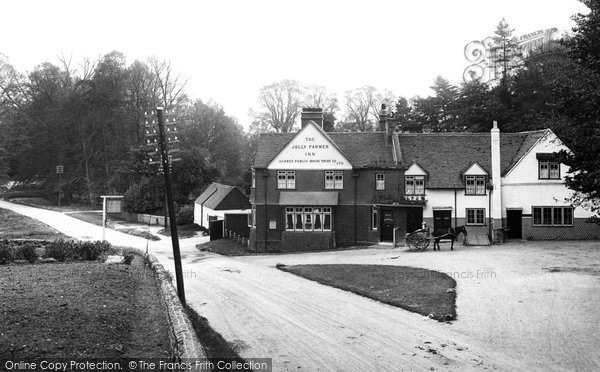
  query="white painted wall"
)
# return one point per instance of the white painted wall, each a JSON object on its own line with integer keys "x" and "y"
{"x": 521, "y": 187}
{"x": 437, "y": 199}
{"x": 201, "y": 214}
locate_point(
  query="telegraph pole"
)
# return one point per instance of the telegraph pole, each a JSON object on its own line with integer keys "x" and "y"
{"x": 59, "y": 170}
{"x": 163, "y": 138}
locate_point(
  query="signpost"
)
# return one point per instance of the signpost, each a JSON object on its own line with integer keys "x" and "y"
{"x": 110, "y": 204}
{"x": 157, "y": 140}
{"x": 59, "y": 170}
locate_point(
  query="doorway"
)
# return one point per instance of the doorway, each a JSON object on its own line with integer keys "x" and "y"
{"x": 514, "y": 223}
{"x": 442, "y": 221}
{"x": 387, "y": 225}
{"x": 414, "y": 219}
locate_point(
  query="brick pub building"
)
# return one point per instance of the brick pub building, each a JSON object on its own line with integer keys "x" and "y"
{"x": 318, "y": 190}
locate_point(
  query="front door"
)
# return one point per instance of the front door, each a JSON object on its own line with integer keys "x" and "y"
{"x": 387, "y": 225}
{"x": 414, "y": 219}
{"x": 514, "y": 223}
{"x": 442, "y": 221}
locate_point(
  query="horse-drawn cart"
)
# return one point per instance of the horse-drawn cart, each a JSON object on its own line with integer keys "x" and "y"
{"x": 419, "y": 240}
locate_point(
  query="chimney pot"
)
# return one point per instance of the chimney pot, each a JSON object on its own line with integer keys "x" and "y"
{"x": 314, "y": 114}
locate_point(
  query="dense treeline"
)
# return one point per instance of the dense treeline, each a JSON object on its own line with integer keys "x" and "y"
{"x": 89, "y": 120}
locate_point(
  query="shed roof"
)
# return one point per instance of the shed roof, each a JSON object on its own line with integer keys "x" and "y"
{"x": 223, "y": 197}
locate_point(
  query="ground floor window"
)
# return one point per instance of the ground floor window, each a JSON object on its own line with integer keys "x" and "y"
{"x": 552, "y": 216}
{"x": 308, "y": 218}
{"x": 475, "y": 216}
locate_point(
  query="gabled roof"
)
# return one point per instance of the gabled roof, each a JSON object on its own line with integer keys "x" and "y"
{"x": 311, "y": 127}
{"x": 445, "y": 155}
{"x": 223, "y": 197}
{"x": 474, "y": 169}
{"x": 415, "y": 170}
{"x": 363, "y": 149}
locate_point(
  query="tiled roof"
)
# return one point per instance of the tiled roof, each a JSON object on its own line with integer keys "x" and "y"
{"x": 223, "y": 197}
{"x": 445, "y": 155}
{"x": 363, "y": 149}
{"x": 442, "y": 155}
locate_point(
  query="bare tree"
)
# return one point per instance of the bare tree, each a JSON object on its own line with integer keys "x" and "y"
{"x": 281, "y": 102}
{"x": 169, "y": 86}
{"x": 361, "y": 112}
{"x": 319, "y": 96}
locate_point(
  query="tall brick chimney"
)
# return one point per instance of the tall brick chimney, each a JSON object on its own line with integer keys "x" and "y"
{"x": 385, "y": 124}
{"x": 311, "y": 114}
{"x": 497, "y": 191}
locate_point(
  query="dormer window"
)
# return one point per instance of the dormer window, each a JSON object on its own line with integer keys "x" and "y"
{"x": 475, "y": 185}
{"x": 414, "y": 185}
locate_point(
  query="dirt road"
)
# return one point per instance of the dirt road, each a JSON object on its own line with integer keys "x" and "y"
{"x": 306, "y": 326}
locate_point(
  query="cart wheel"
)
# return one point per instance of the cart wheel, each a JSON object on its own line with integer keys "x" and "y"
{"x": 417, "y": 242}
{"x": 422, "y": 243}
{"x": 411, "y": 242}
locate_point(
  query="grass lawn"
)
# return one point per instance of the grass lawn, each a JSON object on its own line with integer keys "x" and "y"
{"x": 183, "y": 231}
{"x": 226, "y": 247}
{"x": 418, "y": 290}
{"x": 81, "y": 309}
{"x": 95, "y": 217}
{"x": 17, "y": 226}
{"x": 46, "y": 204}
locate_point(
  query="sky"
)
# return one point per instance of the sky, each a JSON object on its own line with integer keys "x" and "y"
{"x": 228, "y": 49}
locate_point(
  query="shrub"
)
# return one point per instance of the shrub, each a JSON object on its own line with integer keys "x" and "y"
{"x": 27, "y": 252}
{"x": 60, "y": 250}
{"x": 185, "y": 215}
{"x": 128, "y": 258}
{"x": 7, "y": 253}
{"x": 143, "y": 197}
{"x": 91, "y": 251}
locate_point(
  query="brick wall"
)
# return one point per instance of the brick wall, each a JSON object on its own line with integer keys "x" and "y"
{"x": 579, "y": 230}
{"x": 294, "y": 241}
{"x": 314, "y": 180}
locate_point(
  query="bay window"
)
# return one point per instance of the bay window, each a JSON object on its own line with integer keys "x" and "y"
{"x": 308, "y": 218}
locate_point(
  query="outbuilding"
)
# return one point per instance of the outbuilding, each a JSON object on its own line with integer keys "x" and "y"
{"x": 217, "y": 201}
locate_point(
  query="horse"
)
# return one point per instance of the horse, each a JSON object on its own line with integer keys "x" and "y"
{"x": 451, "y": 235}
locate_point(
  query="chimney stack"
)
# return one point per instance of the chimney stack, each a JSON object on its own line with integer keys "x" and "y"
{"x": 314, "y": 114}
{"x": 385, "y": 123}
{"x": 497, "y": 190}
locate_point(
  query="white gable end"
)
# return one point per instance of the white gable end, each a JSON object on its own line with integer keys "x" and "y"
{"x": 310, "y": 149}
{"x": 415, "y": 170}
{"x": 526, "y": 169}
{"x": 475, "y": 170}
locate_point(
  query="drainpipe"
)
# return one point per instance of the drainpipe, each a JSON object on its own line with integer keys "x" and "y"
{"x": 265, "y": 176}
{"x": 455, "y": 209}
{"x": 490, "y": 221}
{"x": 355, "y": 176}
